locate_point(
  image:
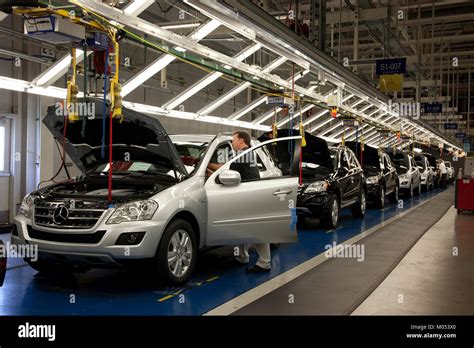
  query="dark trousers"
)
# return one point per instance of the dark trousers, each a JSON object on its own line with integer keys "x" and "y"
{"x": 443, "y": 180}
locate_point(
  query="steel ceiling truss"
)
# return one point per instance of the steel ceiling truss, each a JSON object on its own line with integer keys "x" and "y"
{"x": 260, "y": 38}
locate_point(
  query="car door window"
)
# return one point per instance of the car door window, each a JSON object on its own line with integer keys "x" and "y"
{"x": 353, "y": 160}
{"x": 387, "y": 162}
{"x": 260, "y": 164}
{"x": 345, "y": 160}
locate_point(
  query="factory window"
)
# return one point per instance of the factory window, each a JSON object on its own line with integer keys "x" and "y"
{"x": 4, "y": 146}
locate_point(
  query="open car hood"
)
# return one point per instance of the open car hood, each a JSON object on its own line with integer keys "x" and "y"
{"x": 316, "y": 149}
{"x": 371, "y": 154}
{"x": 140, "y": 136}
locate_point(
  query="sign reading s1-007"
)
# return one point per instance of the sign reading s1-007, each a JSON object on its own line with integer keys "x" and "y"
{"x": 391, "y": 66}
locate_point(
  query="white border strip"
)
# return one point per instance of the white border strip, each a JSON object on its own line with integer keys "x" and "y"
{"x": 263, "y": 289}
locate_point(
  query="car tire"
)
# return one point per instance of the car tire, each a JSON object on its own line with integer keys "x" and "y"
{"x": 418, "y": 190}
{"x": 274, "y": 246}
{"x": 394, "y": 196}
{"x": 330, "y": 214}
{"x": 301, "y": 222}
{"x": 380, "y": 201}
{"x": 410, "y": 191}
{"x": 178, "y": 240}
{"x": 358, "y": 209}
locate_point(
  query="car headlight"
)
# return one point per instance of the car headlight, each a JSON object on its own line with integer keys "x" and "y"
{"x": 134, "y": 211}
{"x": 403, "y": 177}
{"x": 26, "y": 207}
{"x": 372, "y": 180}
{"x": 319, "y": 186}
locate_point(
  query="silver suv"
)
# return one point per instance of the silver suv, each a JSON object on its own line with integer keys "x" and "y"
{"x": 164, "y": 206}
{"x": 408, "y": 173}
{"x": 426, "y": 173}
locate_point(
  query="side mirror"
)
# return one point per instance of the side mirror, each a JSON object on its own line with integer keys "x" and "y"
{"x": 229, "y": 178}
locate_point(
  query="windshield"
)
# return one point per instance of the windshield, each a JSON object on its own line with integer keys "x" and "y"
{"x": 419, "y": 162}
{"x": 191, "y": 153}
{"x": 138, "y": 168}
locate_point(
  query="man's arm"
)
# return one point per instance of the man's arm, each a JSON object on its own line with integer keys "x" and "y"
{"x": 214, "y": 166}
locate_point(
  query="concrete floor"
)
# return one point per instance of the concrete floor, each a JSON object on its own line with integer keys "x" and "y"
{"x": 434, "y": 278}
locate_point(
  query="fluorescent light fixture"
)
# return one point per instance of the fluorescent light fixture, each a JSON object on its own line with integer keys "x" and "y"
{"x": 161, "y": 62}
{"x": 218, "y": 102}
{"x": 238, "y": 89}
{"x": 13, "y": 84}
{"x": 146, "y": 73}
{"x": 157, "y": 111}
{"x": 297, "y": 114}
{"x": 58, "y": 69}
{"x": 238, "y": 114}
{"x": 180, "y": 26}
{"x": 56, "y": 92}
{"x": 321, "y": 124}
{"x": 207, "y": 80}
{"x": 315, "y": 117}
{"x": 180, "y": 49}
{"x": 228, "y": 67}
{"x": 137, "y": 7}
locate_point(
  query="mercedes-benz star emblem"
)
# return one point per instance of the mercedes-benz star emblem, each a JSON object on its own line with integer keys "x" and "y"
{"x": 60, "y": 215}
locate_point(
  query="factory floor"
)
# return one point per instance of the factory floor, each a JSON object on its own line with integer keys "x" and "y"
{"x": 399, "y": 258}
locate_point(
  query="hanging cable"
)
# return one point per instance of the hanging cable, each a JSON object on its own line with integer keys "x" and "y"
{"x": 104, "y": 107}
{"x": 303, "y": 144}
{"x": 72, "y": 89}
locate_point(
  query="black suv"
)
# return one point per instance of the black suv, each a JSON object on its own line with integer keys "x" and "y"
{"x": 380, "y": 173}
{"x": 332, "y": 179}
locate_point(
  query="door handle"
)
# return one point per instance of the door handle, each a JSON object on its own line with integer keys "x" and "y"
{"x": 282, "y": 192}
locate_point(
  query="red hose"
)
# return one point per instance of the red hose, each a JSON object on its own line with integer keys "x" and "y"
{"x": 110, "y": 156}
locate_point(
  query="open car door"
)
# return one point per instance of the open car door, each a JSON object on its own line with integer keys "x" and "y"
{"x": 255, "y": 211}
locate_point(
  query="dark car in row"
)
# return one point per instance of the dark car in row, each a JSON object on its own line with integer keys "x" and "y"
{"x": 331, "y": 179}
{"x": 380, "y": 173}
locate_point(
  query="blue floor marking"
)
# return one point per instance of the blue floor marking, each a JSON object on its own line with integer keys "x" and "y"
{"x": 105, "y": 292}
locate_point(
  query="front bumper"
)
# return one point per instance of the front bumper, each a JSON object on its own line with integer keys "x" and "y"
{"x": 103, "y": 253}
{"x": 311, "y": 204}
{"x": 404, "y": 183}
{"x": 373, "y": 190}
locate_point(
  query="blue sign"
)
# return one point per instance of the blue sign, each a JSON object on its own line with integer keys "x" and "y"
{"x": 466, "y": 141}
{"x": 460, "y": 135}
{"x": 450, "y": 126}
{"x": 431, "y": 108}
{"x": 391, "y": 66}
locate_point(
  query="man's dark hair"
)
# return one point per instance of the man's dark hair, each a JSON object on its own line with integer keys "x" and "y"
{"x": 243, "y": 135}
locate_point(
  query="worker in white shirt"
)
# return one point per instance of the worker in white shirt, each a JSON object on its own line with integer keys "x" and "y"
{"x": 444, "y": 173}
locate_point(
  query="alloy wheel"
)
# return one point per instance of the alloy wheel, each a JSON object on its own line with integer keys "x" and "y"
{"x": 334, "y": 212}
{"x": 180, "y": 253}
